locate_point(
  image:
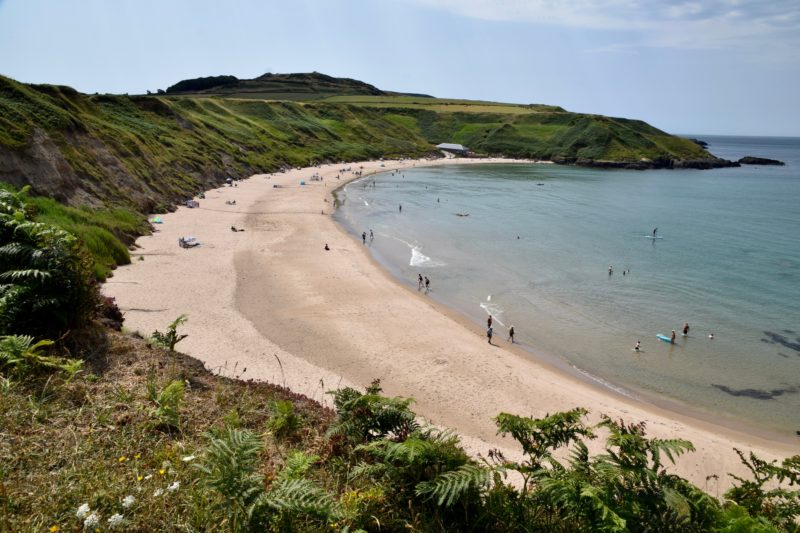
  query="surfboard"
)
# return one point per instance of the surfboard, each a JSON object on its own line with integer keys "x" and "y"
{"x": 664, "y": 338}
{"x": 651, "y": 237}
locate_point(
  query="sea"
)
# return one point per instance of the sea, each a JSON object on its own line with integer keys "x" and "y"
{"x": 566, "y": 255}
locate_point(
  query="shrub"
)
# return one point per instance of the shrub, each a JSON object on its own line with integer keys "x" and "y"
{"x": 46, "y": 287}
{"x": 20, "y": 356}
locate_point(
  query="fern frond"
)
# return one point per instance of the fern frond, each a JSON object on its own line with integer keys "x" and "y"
{"x": 451, "y": 486}
{"x": 296, "y": 465}
{"x": 300, "y": 497}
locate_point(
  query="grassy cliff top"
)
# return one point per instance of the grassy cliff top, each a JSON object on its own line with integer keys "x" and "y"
{"x": 145, "y": 154}
{"x": 299, "y": 86}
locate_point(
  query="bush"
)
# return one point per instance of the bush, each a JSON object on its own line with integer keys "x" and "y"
{"x": 46, "y": 286}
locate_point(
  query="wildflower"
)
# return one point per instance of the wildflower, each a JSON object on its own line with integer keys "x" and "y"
{"x": 83, "y": 510}
{"x": 139, "y": 478}
{"x": 127, "y": 501}
{"x": 122, "y": 458}
{"x": 116, "y": 520}
{"x": 187, "y": 458}
{"x": 148, "y": 476}
{"x": 175, "y": 486}
{"x": 158, "y": 493}
{"x": 162, "y": 472}
{"x": 54, "y": 528}
{"x": 91, "y": 521}
{"x": 137, "y": 456}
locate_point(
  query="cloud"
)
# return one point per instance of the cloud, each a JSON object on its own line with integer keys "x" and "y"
{"x": 666, "y": 23}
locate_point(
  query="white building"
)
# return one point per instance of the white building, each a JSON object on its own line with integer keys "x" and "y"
{"x": 458, "y": 149}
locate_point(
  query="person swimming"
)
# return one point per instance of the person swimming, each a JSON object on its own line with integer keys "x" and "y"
{"x": 637, "y": 346}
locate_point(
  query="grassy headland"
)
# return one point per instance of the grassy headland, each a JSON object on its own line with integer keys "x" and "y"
{"x": 131, "y": 155}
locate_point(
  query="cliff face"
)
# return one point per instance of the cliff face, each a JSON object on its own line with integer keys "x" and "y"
{"x": 146, "y": 152}
{"x": 149, "y": 152}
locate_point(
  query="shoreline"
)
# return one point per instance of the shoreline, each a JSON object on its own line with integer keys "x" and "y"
{"x": 272, "y": 301}
{"x": 655, "y": 400}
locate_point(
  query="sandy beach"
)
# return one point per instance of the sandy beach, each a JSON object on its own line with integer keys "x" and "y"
{"x": 270, "y": 303}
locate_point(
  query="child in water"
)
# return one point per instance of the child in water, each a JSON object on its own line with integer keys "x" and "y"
{"x": 637, "y": 346}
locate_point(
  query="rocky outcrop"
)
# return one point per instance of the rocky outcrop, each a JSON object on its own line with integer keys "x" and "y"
{"x": 647, "y": 164}
{"x": 700, "y": 143}
{"x": 750, "y": 160}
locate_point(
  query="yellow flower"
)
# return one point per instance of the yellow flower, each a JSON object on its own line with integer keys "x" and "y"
{"x": 162, "y": 471}
{"x": 139, "y": 478}
{"x": 122, "y": 458}
{"x": 137, "y": 456}
{"x": 53, "y": 529}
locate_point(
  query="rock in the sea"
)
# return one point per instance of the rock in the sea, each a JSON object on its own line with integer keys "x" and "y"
{"x": 700, "y": 143}
{"x": 750, "y": 160}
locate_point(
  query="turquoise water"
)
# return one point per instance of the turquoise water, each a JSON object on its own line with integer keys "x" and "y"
{"x": 728, "y": 263}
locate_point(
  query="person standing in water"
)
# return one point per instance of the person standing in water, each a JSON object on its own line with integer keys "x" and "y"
{"x": 419, "y": 285}
{"x": 427, "y": 284}
{"x": 655, "y": 230}
{"x": 610, "y": 269}
{"x": 672, "y": 337}
{"x": 511, "y": 334}
{"x": 371, "y": 236}
{"x": 364, "y": 237}
{"x": 637, "y": 346}
{"x": 489, "y": 321}
{"x": 685, "y": 329}
{"x": 401, "y": 208}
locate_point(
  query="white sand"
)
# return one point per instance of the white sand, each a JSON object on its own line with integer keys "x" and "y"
{"x": 272, "y": 301}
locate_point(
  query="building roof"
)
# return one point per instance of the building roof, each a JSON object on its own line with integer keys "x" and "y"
{"x": 451, "y": 146}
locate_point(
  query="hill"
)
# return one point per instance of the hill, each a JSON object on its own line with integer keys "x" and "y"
{"x": 118, "y": 157}
{"x": 301, "y": 86}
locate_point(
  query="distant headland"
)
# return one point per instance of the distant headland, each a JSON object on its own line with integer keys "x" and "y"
{"x": 152, "y": 150}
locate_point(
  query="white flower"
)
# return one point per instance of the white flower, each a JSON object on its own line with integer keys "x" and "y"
{"x": 83, "y": 510}
{"x": 187, "y": 458}
{"x": 91, "y": 521}
{"x": 158, "y": 493}
{"x": 148, "y": 476}
{"x": 115, "y": 521}
{"x": 127, "y": 501}
{"x": 175, "y": 486}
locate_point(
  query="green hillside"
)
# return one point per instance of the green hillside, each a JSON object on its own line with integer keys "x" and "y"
{"x": 146, "y": 152}
{"x": 132, "y": 155}
{"x": 301, "y": 86}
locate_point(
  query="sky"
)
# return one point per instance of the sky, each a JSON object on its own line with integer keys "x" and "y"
{"x": 729, "y": 67}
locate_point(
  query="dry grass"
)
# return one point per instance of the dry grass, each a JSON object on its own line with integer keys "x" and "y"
{"x": 95, "y": 440}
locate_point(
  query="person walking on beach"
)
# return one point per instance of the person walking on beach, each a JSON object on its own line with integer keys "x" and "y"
{"x": 685, "y": 329}
{"x": 489, "y": 333}
{"x": 511, "y": 334}
{"x": 371, "y": 236}
{"x": 419, "y": 285}
{"x": 364, "y": 237}
{"x": 489, "y": 321}
{"x": 427, "y": 284}
{"x": 672, "y": 337}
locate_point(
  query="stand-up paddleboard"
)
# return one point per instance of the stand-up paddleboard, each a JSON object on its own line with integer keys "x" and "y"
{"x": 664, "y": 338}
{"x": 655, "y": 238}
